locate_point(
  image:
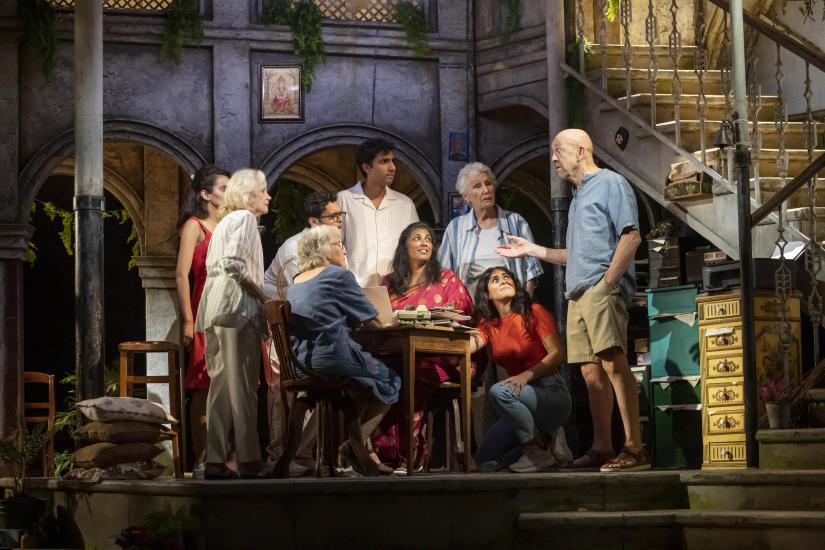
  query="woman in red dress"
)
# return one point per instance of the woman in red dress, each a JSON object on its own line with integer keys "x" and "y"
{"x": 198, "y": 219}
{"x": 418, "y": 279}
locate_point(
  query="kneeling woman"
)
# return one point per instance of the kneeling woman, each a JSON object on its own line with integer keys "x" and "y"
{"x": 533, "y": 401}
{"x": 327, "y": 304}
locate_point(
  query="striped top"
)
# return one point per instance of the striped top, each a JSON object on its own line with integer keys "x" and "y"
{"x": 460, "y": 244}
{"x": 371, "y": 234}
{"x": 234, "y": 252}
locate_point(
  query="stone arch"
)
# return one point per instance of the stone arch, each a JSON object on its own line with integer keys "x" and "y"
{"x": 521, "y": 152}
{"x": 292, "y": 151}
{"x": 50, "y": 156}
{"x": 497, "y": 103}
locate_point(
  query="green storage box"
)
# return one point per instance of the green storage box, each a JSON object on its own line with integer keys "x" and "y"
{"x": 676, "y": 390}
{"x": 678, "y": 436}
{"x": 674, "y": 331}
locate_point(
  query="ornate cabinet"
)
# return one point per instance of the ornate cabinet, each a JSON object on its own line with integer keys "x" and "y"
{"x": 720, "y": 345}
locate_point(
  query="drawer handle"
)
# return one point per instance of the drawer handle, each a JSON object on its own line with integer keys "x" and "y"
{"x": 727, "y": 423}
{"x": 724, "y": 367}
{"x": 726, "y": 453}
{"x": 724, "y": 340}
{"x": 725, "y": 395}
{"x": 720, "y": 310}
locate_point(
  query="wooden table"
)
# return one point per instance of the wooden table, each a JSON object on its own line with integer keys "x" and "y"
{"x": 408, "y": 340}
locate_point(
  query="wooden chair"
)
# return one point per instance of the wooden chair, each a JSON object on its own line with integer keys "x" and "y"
{"x": 328, "y": 395}
{"x": 172, "y": 379}
{"x": 42, "y": 411}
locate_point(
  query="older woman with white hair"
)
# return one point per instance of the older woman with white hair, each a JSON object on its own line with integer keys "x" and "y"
{"x": 469, "y": 244}
{"x": 233, "y": 321}
{"x": 327, "y": 304}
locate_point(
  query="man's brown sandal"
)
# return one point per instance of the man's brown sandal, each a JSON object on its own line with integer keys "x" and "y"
{"x": 628, "y": 461}
{"x": 591, "y": 460}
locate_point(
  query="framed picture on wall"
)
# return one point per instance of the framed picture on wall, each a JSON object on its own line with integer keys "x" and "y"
{"x": 282, "y": 94}
{"x": 459, "y": 146}
{"x": 458, "y": 207}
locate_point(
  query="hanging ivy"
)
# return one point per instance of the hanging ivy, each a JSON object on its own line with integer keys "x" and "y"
{"x": 509, "y": 17}
{"x": 66, "y": 233}
{"x": 304, "y": 20}
{"x": 39, "y": 32}
{"x": 612, "y": 10}
{"x": 183, "y": 22}
{"x": 414, "y": 22}
{"x": 288, "y": 219}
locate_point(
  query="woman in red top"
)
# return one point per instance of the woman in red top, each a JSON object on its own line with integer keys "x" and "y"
{"x": 533, "y": 402}
{"x": 198, "y": 219}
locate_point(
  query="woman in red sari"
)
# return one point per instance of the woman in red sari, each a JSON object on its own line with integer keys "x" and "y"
{"x": 418, "y": 279}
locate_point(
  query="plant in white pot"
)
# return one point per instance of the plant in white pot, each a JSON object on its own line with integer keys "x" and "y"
{"x": 25, "y": 443}
{"x": 777, "y": 398}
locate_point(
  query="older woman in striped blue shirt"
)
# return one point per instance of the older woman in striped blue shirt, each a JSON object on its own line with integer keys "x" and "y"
{"x": 469, "y": 244}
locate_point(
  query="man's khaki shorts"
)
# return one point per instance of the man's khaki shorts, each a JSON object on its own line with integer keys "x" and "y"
{"x": 596, "y": 321}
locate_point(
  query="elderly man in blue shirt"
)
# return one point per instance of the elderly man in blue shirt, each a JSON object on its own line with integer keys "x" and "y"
{"x": 602, "y": 238}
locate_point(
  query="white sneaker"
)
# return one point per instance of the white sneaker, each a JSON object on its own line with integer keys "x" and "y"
{"x": 534, "y": 459}
{"x": 198, "y": 470}
{"x": 559, "y": 447}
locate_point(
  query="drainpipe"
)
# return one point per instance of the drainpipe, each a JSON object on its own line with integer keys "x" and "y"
{"x": 742, "y": 160}
{"x": 559, "y": 189}
{"x": 88, "y": 198}
{"x": 557, "y": 121}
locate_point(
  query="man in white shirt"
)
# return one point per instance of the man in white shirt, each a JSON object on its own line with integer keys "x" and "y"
{"x": 376, "y": 215}
{"x": 320, "y": 208}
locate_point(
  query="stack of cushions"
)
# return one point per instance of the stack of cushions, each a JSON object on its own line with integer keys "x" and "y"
{"x": 122, "y": 438}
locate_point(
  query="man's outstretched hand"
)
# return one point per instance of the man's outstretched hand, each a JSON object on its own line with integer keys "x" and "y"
{"x": 518, "y": 247}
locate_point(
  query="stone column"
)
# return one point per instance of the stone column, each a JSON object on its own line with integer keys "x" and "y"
{"x": 233, "y": 115}
{"x": 88, "y": 199}
{"x": 14, "y": 239}
{"x": 157, "y": 265}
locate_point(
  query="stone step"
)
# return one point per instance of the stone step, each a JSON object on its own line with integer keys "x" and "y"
{"x": 639, "y": 82}
{"x": 640, "y": 56}
{"x": 756, "y": 490}
{"x": 715, "y": 109}
{"x": 769, "y": 186}
{"x": 677, "y": 529}
{"x": 797, "y": 161}
{"x": 690, "y": 130}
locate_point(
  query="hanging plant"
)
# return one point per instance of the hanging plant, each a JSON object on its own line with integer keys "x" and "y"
{"x": 612, "y": 10}
{"x": 66, "y": 233}
{"x": 304, "y": 20}
{"x": 288, "y": 219}
{"x": 414, "y": 22}
{"x": 183, "y": 22}
{"x": 39, "y": 28}
{"x": 509, "y": 16}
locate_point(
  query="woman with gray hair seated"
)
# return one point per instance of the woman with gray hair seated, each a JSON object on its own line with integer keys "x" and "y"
{"x": 327, "y": 304}
{"x": 232, "y": 319}
{"x": 469, "y": 244}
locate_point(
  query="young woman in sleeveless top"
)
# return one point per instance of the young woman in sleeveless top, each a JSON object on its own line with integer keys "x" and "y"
{"x": 198, "y": 219}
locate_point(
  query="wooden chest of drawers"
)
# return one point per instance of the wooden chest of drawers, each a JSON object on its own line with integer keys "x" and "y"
{"x": 720, "y": 348}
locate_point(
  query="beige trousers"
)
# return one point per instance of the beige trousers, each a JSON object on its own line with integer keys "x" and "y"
{"x": 233, "y": 359}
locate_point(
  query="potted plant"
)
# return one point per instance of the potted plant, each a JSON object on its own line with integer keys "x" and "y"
{"x": 776, "y": 395}
{"x": 17, "y": 450}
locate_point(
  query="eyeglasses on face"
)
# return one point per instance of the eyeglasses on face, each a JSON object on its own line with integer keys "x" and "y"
{"x": 336, "y": 217}
{"x": 338, "y": 244}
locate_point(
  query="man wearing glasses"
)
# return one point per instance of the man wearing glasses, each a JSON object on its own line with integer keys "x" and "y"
{"x": 376, "y": 214}
{"x": 320, "y": 208}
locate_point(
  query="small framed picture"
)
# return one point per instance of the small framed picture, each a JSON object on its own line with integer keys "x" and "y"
{"x": 458, "y": 207}
{"x": 282, "y": 94}
{"x": 459, "y": 146}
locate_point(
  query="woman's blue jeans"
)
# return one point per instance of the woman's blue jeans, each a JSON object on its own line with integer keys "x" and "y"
{"x": 541, "y": 408}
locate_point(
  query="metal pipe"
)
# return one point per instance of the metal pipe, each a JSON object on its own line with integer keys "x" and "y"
{"x": 742, "y": 159}
{"x": 88, "y": 198}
